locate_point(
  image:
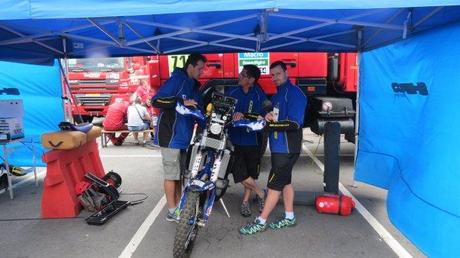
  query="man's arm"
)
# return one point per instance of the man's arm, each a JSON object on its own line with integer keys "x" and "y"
{"x": 165, "y": 102}
{"x": 166, "y": 95}
{"x": 146, "y": 114}
{"x": 297, "y": 103}
{"x": 251, "y": 116}
{"x": 284, "y": 125}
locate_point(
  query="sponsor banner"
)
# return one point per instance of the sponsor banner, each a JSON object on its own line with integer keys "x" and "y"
{"x": 260, "y": 59}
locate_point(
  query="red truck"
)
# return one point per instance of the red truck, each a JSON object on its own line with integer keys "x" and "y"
{"x": 315, "y": 73}
{"x": 96, "y": 83}
{"x": 325, "y": 78}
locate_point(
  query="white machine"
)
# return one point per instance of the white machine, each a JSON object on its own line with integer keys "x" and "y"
{"x": 11, "y": 119}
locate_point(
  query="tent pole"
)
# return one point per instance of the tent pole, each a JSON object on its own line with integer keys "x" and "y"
{"x": 360, "y": 45}
{"x": 407, "y": 23}
{"x": 67, "y": 85}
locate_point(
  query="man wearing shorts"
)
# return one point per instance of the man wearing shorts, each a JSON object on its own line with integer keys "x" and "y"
{"x": 174, "y": 131}
{"x": 284, "y": 125}
{"x": 246, "y": 155}
{"x": 138, "y": 120}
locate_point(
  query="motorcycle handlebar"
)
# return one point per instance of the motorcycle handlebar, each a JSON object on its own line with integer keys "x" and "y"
{"x": 197, "y": 113}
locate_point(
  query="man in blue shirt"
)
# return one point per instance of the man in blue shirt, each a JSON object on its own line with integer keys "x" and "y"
{"x": 246, "y": 166}
{"x": 285, "y": 126}
{"x": 174, "y": 131}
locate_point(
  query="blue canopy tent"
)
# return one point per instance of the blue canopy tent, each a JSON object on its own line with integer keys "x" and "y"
{"x": 56, "y": 29}
{"x": 402, "y": 43}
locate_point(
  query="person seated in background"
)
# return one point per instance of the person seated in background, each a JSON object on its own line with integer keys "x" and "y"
{"x": 115, "y": 121}
{"x": 138, "y": 120}
{"x": 144, "y": 92}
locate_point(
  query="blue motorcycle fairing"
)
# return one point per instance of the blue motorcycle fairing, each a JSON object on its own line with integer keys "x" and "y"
{"x": 208, "y": 207}
{"x": 252, "y": 125}
{"x": 183, "y": 110}
{"x": 200, "y": 186}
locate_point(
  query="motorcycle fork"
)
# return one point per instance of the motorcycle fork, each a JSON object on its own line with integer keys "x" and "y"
{"x": 209, "y": 203}
{"x": 183, "y": 200}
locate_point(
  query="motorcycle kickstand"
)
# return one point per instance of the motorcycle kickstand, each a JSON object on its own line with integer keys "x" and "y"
{"x": 223, "y": 206}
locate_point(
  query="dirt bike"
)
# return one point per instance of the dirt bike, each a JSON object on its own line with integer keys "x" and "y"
{"x": 210, "y": 155}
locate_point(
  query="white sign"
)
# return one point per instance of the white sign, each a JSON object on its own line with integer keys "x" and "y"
{"x": 260, "y": 59}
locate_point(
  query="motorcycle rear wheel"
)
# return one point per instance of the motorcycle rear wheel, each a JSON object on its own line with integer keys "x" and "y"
{"x": 186, "y": 233}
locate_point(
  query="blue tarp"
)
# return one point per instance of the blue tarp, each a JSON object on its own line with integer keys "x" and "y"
{"x": 40, "y": 90}
{"x": 408, "y": 143}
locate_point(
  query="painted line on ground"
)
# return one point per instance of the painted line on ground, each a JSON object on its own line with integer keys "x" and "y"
{"x": 131, "y": 156}
{"x": 313, "y": 157}
{"x": 375, "y": 224}
{"x": 318, "y": 155}
{"x": 158, "y": 155}
{"x": 143, "y": 229}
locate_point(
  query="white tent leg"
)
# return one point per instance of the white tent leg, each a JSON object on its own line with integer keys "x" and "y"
{"x": 353, "y": 184}
{"x": 225, "y": 207}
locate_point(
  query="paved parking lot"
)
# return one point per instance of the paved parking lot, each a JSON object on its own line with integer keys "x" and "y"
{"x": 142, "y": 231}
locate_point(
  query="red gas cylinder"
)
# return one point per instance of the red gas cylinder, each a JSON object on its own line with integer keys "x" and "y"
{"x": 334, "y": 204}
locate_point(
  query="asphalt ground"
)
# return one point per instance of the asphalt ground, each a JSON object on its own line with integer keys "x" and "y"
{"x": 142, "y": 231}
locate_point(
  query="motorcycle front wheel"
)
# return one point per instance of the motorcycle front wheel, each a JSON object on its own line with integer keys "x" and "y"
{"x": 187, "y": 229}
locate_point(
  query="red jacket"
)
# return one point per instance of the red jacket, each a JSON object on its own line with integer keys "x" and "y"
{"x": 115, "y": 118}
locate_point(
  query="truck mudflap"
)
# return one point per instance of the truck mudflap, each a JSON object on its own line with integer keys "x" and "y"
{"x": 329, "y": 109}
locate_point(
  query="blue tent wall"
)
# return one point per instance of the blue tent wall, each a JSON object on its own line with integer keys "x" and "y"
{"x": 409, "y": 142}
{"x": 40, "y": 91}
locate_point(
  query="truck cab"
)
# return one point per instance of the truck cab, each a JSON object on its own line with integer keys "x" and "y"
{"x": 95, "y": 83}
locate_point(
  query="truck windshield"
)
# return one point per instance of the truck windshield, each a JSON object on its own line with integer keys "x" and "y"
{"x": 110, "y": 64}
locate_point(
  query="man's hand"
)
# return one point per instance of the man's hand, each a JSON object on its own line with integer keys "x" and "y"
{"x": 237, "y": 116}
{"x": 190, "y": 103}
{"x": 270, "y": 117}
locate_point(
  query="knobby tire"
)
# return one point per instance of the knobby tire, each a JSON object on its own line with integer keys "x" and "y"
{"x": 183, "y": 228}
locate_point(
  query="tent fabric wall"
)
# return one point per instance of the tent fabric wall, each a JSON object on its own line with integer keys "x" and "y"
{"x": 40, "y": 91}
{"x": 409, "y": 142}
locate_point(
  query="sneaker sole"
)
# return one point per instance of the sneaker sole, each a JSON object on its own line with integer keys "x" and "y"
{"x": 172, "y": 220}
{"x": 249, "y": 234}
{"x": 288, "y": 226}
